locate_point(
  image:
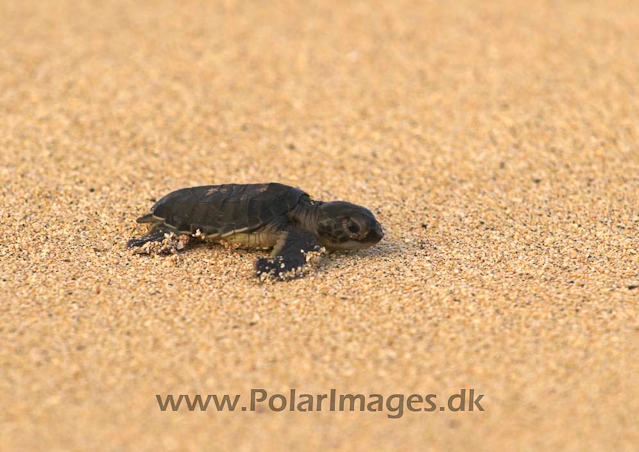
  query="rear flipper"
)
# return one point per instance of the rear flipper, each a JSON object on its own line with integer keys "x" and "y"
{"x": 289, "y": 255}
{"x": 155, "y": 235}
{"x": 162, "y": 239}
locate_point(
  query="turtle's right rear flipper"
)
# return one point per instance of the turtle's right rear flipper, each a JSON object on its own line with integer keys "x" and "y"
{"x": 160, "y": 240}
{"x": 155, "y": 235}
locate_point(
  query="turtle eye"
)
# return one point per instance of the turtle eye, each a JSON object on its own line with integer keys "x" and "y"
{"x": 353, "y": 227}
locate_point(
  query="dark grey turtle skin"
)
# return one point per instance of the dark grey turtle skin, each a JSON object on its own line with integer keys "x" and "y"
{"x": 262, "y": 216}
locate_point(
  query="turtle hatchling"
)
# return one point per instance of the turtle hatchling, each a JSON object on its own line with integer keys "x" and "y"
{"x": 272, "y": 215}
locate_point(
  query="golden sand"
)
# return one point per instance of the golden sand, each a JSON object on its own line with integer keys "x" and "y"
{"x": 495, "y": 141}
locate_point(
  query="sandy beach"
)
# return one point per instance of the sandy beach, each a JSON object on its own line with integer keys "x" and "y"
{"x": 497, "y": 143}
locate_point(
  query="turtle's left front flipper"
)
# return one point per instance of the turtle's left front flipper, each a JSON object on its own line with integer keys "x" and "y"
{"x": 289, "y": 253}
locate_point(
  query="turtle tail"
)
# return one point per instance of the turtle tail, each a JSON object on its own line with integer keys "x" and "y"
{"x": 148, "y": 218}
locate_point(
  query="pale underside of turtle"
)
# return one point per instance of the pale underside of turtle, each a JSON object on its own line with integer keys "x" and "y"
{"x": 269, "y": 215}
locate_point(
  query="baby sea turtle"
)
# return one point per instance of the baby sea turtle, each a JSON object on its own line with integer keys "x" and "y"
{"x": 262, "y": 216}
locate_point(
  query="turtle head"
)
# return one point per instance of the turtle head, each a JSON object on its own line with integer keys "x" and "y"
{"x": 345, "y": 226}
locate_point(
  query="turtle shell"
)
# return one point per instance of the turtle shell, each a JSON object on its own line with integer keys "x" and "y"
{"x": 221, "y": 210}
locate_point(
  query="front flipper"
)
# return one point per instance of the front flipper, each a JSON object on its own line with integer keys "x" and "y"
{"x": 289, "y": 254}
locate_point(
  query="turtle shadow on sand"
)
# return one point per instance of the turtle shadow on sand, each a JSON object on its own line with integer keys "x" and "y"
{"x": 324, "y": 260}
{"x": 385, "y": 250}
